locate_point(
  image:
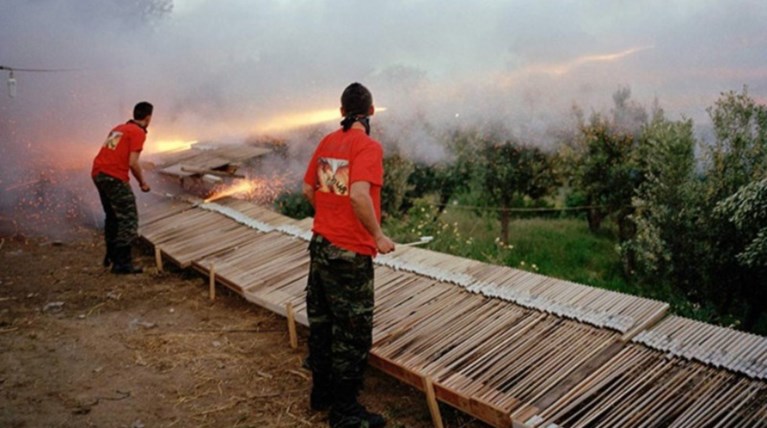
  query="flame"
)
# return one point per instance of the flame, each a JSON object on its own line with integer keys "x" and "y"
{"x": 259, "y": 189}
{"x": 172, "y": 145}
{"x": 304, "y": 119}
{"x": 560, "y": 69}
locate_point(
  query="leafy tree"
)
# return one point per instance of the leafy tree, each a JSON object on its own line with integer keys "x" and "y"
{"x": 465, "y": 148}
{"x": 397, "y": 170}
{"x": 443, "y": 179}
{"x": 293, "y": 204}
{"x": 737, "y": 158}
{"x": 513, "y": 172}
{"x": 604, "y": 173}
{"x": 745, "y": 214}
{"x": 739, "y": 155}
{"x": 451, "y": 176}
{"x": 667, "y": 207}
{"x": 703, "y": 231}
{"x": 425, "y": 179}
{"x": 747, "y": 210}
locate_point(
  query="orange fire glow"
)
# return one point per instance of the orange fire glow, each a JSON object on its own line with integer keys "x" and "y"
{"x": 304, "y": 119}
{"x": 563, "y": 68}
{"x": 171, "y": 145}
{"x": 560, "y": 69}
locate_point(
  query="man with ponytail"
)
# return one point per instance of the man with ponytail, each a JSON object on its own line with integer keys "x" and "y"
{"x": 343, "y": 182}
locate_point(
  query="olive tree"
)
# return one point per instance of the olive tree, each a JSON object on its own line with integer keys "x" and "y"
{"x": 745, "y": 214}
{"x": 512, "y": 172}
{"x": 602, "y": 158}
{"x": 666, "y": 207}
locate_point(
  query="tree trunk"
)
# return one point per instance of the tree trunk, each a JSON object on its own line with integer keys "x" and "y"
{"x": 626, "y": 227}
{"x": 505, "y": 225}
{"x": 595, "y": 218}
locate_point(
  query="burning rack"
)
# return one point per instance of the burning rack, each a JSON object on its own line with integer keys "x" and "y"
{"x": 206, "y": 162}
{"x": 512, "y": 348}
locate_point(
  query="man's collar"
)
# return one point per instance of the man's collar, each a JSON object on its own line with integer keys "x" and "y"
{"x": 139, "y": 124}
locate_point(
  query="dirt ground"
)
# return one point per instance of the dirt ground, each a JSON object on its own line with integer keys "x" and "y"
{"x": 82, "y": 347}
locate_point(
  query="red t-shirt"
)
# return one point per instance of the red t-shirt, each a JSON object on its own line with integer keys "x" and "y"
{"x": 341, "y": 159}
{"x": 114, "y": 157}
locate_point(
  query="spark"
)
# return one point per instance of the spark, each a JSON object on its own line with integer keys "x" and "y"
{"x": 253, "y": 189}
{"x": 242, "y": 187}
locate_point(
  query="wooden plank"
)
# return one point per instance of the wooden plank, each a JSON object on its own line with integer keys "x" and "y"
{"x": 291, "y": 325}
{"x": 212, "y": 282}
{"x": 395, "y": 370}
{"x": 431, "y": 401}
{"x": 158, "y": 258}
{"x": 473, "y": 406}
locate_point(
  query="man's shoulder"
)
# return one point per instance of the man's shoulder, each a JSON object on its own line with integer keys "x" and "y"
{"x": 123, "y": 128}
{"x": 352, "y": 142}
{"x": 363, "y": 139}
{"x": 134, "y": 131}
{"x": 131, "y": 127}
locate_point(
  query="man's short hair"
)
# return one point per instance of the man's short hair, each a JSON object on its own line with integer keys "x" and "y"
{"x": 142, "y": 110}
{"x": 356, "y": 100}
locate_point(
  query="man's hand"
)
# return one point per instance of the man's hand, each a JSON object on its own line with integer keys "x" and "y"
{"x": 384, "y": 244}
{"x": 145, "y": 188}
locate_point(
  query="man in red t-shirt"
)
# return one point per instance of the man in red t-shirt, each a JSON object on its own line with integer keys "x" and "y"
{"x": 118, "y": 155}
{"x": 343, "y": 182}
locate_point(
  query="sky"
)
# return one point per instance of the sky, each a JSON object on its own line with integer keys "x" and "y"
{"x": 226, "y": 70}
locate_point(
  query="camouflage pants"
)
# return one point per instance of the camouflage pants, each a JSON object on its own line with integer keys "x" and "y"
{"x": 339, "y": 302}
{"x": 119, "y": 203}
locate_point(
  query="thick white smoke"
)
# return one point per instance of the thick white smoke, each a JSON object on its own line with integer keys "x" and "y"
{"x": 218, "y": 71}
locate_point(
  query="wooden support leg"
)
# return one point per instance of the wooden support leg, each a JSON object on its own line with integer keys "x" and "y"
{"x": 431, "y": 400}
{"x": 212, "y": 282}
{"x": 158, "y": 258}
{"x": 291, "y": 325}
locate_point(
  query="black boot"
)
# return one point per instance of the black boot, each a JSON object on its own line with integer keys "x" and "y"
{"x": 123, "y": 261}
{"x": 322, "y": 393}
{"x": 347, "y": 412}
{"x": 109, "y": 257}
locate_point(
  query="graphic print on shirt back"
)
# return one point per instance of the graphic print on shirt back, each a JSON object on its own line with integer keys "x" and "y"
{"x": 113, "y": 139}
{"x": 333, "y": 176}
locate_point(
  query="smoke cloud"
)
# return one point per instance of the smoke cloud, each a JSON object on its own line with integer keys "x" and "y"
{"x": 220, "y": 71}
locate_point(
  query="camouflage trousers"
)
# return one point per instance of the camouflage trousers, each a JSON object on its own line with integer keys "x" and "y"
{"x": 339, "y": 302}
{"x": 119, "y": 203}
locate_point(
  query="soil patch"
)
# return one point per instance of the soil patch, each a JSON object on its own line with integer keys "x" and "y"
{"x": 82, "y": 347}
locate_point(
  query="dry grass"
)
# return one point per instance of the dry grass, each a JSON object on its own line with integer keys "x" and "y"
{"x": 153, "y": 350}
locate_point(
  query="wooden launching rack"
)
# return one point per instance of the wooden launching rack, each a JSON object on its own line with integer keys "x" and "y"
{"x": 512, "y": 348}
{"x": 205, "y": 160}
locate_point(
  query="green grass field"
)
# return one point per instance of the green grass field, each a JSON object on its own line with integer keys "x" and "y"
{"x": 561, "y": 248}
